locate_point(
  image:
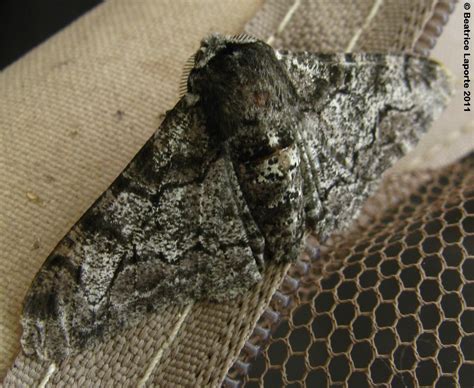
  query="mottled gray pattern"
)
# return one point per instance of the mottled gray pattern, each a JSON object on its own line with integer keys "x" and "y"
{"x": 362, "y": 112}
{"x": 263, "y": 147}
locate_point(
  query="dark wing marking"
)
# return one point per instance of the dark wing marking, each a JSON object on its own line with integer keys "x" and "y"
{"x": 172, "y": 227}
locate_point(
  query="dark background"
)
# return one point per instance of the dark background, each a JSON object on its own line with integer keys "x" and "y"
{"x": 24, "y": 24}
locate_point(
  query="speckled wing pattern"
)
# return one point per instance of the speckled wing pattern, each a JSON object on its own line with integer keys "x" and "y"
{"x": 263, "y": 147}
{"x": 362, "y": 112}
{"x": 170, "y": 224}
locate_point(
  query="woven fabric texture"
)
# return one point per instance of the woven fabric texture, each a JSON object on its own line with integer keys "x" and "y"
{"x": 329, "y": 26}
{"x": 75, "y": 111}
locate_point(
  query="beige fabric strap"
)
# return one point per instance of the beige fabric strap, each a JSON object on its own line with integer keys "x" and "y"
{"x": 74, "y": 112}
{"x": 345, "y": 25}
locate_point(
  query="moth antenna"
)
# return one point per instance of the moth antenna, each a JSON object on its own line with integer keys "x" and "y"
{"x": 191, "y": 62}
{"x": 241, "y": 38}
{"x": 183, "y": 83}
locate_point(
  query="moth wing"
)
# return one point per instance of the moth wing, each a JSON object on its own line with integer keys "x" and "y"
{"x": 361, "y": 113}
{"x": 172, "y": 227}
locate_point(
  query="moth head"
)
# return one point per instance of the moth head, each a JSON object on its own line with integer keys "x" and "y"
{"x": 214, "y": 43}
{"x": 244, "y": 92}
{"x": 210, "y": 46}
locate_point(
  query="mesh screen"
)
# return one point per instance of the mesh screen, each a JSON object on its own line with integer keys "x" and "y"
{"x": 391, "y": 303}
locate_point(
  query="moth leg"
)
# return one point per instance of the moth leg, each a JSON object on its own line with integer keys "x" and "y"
{"x": 309, "y": 168}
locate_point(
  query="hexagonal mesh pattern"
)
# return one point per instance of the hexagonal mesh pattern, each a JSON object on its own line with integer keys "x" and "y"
{"x": 391, "y": 304}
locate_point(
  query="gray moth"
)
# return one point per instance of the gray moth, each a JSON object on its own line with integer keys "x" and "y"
{"x": 263, "y": 147}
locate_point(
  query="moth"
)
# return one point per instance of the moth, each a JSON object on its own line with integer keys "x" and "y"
{"x": 263, "y": 147}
